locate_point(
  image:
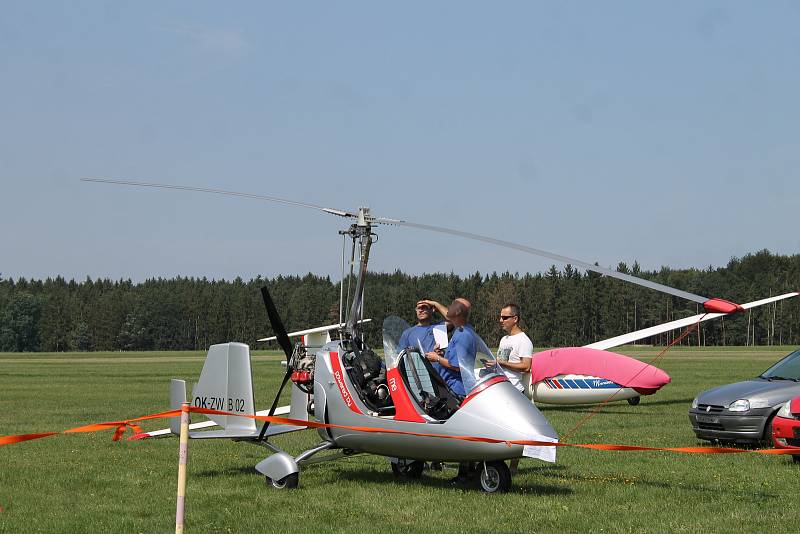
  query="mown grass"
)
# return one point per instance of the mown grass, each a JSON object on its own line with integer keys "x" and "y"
{"x": 86, "y": 483}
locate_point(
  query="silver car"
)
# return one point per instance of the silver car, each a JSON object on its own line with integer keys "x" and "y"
{"x": 743, "y": 412}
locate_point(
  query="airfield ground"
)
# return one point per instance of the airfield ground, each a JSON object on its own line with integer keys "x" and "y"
{"x": 87, "y": 483}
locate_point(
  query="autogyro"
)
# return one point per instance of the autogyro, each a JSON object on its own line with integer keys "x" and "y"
{"x": 343, "y": 382}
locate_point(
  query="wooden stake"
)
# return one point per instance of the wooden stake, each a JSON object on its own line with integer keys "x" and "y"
{"x": 183, "y": 452}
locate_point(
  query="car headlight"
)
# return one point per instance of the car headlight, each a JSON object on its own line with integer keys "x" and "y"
{"x": 741, "y": 405}
{"x": 694, "y": 402}
{"x": 785, "y": 411}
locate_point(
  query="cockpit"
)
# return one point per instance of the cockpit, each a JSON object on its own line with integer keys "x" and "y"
{"x": 426, "y": 386}
{"x": 405, "y": 385}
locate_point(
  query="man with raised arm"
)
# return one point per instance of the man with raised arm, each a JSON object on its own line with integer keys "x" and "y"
{"x": 462, "y": 347}
{"x": 422, "y": 332}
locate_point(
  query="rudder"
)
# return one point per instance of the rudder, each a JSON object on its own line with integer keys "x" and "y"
{"x": 226, "y": 384}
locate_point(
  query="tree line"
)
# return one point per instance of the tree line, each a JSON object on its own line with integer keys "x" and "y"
{"x": 560, "y": 307}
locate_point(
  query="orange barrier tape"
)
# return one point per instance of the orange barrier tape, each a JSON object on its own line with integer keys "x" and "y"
{"x": 120, "y": 427}
{"x": 8, "y": 440}
{"x": 596, "y": 446}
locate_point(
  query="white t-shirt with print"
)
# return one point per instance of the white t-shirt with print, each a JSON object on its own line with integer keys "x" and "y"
{"x": 512, "y": 349}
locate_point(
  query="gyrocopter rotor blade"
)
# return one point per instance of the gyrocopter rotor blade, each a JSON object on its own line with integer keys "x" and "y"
{"x": 559, "y": 258}
{"x": 332, "y": 211}
{"x": 711, "y": 305}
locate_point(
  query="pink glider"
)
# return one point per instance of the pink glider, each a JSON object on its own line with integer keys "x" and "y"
{"x": 577, "y": 375}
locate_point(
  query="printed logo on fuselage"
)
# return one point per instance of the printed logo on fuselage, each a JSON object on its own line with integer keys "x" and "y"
{"x": 343, "y": 389}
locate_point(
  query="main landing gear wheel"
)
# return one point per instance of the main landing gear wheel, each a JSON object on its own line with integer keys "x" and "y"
{"x": 287, "y": 482}
{"x": 634, "y": 401}
{"x": 494, "y": 477}
{"x": 408, "y": 470}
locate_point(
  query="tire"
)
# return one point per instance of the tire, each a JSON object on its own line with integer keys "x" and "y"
{"x": 408, "y": 470}
{"x": 634, "y": 401}
{"x": 494, "y": 477}
{"x": 796, "y": 458}
{"x": 766, "y": 437}
{"x": 287, "y": 482}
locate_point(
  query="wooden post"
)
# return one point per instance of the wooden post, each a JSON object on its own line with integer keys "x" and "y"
{"x": 183, "y": 452}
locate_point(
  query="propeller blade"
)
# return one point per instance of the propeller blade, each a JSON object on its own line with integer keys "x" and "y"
{"x": 332, "y": 211}
{"x": 274, "y": 404}
{"x": 286, "y": 345}
{"x": 557, "y": 257}
{"x": 277, "y": 324}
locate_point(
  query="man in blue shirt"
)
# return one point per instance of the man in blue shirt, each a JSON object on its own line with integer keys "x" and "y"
{"x": 422, "y": 332}
{"x": 463, "y": 347}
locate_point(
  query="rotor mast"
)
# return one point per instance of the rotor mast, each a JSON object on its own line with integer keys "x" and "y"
{"x": 361, "y": 233}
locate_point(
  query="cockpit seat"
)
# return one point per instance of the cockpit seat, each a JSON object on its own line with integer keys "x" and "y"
{"x": 426, "y": 386}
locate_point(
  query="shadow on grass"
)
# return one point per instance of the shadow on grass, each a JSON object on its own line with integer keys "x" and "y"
{"x": 729, "y": 492}
{"x": 367, "y": 475}
{"x": 627, "y": 410}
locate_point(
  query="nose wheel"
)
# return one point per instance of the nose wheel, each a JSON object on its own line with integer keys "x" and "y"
{"x": 495, "y": 477}
{"x": 287, "y": 482}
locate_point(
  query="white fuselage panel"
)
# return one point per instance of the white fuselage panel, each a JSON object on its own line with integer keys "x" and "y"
{"x": 578, "y": 389}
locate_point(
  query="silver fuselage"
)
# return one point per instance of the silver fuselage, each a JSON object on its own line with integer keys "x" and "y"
{"x": 497, "y": 412}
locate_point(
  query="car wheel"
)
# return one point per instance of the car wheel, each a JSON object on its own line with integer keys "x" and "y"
{"x": 408, "y": 470}
{"x": 495, "y": 477}
{"x": 287, "y": 482}
{"x": 766, "y": 438}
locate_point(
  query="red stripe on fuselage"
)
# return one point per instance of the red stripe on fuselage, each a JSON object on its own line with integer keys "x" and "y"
{"x": 482, "y": 387}
{"x": 403, "y": 407}
{"x": 338, "y": 376}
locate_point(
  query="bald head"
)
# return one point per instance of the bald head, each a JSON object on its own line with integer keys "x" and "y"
{"x": 458, "y": 312}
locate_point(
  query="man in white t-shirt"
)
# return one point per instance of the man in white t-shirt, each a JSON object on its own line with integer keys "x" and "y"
{"x": 514, "y": 353}
{"x": 515, "y": 350}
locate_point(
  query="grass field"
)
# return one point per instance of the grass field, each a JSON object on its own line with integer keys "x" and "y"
{"x": 87, "y": 483}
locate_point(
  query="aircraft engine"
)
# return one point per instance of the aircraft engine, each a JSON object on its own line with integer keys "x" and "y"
{"x": 302, "y": 369}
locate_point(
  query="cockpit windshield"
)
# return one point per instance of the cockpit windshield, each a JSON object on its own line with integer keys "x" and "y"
{"x": 393, "y": 328}
{"x": 467, "y": 367}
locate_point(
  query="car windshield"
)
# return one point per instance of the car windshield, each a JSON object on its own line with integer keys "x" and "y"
{"x": 786, "y": 369}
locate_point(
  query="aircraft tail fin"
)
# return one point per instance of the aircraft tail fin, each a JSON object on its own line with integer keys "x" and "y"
{"x": 226, "y": 384}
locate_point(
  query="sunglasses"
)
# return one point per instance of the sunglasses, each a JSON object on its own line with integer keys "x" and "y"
{"x": 506, "y": 317}
{"x": 423, "y": 308}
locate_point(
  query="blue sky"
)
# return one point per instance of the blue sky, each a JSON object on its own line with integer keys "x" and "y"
{"x": 608, "y": 131}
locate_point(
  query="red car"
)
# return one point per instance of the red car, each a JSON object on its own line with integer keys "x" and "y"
{"x": 786, "y": 427}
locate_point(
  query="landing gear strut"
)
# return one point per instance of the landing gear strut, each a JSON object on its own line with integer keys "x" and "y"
{"x": 404, "y": 469}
